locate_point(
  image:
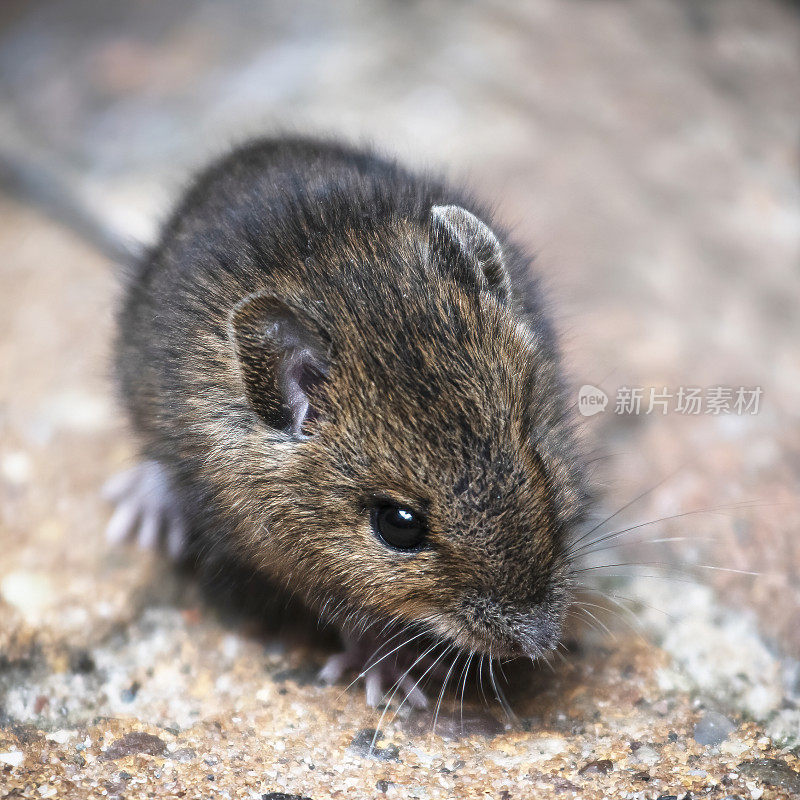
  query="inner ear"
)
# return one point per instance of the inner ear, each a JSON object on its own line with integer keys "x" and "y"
{"x": 469, "y": 246}
{"x": 283, "y": 360}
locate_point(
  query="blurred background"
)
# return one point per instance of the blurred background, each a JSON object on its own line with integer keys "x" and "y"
{"x": 647, "y": 152}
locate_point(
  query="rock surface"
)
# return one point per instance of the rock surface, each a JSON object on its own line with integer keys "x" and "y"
{"x": 649, "y": 153}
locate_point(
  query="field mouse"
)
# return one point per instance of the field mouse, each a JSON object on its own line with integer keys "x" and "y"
{"x": 343, "y": 378}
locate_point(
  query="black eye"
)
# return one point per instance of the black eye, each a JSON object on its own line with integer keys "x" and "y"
{"x": 398, "y": 527}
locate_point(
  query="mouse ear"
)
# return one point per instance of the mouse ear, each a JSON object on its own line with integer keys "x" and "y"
{"x": 461, "y": 239}
{"x": 282, "y": 359}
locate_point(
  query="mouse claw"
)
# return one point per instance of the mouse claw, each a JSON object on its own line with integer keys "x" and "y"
{"x": 334, "y": 668}
{"x": 378, "y": 677}
{"x": 381, "y": 680}
{"x": 415, "y": 697}
{"x": 146, "y": 510}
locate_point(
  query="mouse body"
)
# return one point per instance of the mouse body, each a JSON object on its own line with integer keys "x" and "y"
{"x": 343, "y": 379}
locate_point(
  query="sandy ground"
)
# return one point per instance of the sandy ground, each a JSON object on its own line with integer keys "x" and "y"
{"x": 649, "y": 154}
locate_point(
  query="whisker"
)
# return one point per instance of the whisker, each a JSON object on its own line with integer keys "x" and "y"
{"x": 501, "y": 698}
{"x": 606, "y": 537}
{"x": 618, "y": 608}
{"x": 674, "y": 577}
{"x": 480, "y": 677}
{"x": 660, "y": 564}
{"x": 370, "y": 664}
{"x": 615, "y": 599}
{"x": 592, "y": 625}
{"x": 444, "y": 686}
{"x": 642, "y": 542}
{"x": 545, "y": 659}
{"x": 728, "y": 569}
{"x": 395, "y": 687}
{"x": 628, "y": 505}
{"x": 463, "y": 680}
{"x": 444, "y": 652}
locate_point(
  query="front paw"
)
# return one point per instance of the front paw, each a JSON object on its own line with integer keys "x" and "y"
{"x": 386, "y": 669}
{"x": 146, "y": 509}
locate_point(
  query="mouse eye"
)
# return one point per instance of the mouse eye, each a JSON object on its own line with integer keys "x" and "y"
{"x": 398, "y": 527}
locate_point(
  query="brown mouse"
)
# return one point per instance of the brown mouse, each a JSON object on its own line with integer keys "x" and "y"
{"x": 343, "y": 379}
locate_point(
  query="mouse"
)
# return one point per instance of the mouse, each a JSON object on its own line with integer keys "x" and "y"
{"x": 342, "y": 376}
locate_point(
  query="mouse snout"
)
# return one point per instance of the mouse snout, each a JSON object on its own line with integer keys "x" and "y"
{"x": 530, "y": 630}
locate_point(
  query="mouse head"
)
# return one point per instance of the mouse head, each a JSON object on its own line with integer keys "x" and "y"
{"x": 416, "y": 464}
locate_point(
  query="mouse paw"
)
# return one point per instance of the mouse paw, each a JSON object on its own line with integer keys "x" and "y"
{"x": 146, "y": 510}
{"x": 383, "y": 674}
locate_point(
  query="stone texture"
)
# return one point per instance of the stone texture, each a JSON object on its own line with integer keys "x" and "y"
{"x": 712, "y": 728}
{"x": 649, "y": 153}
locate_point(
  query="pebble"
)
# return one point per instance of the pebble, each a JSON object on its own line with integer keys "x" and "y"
{"x": 12, "y": 757}
{"x": 712, "y": 729}
{"x": 283, "y": 796}
{"x": 361, "y": 745}
{"x": 61, "y": 736}
{"x": 645, "y": 755}
{"x": 183, "y": 755}
{"x": 563, "y": 785}
{"x": 601, "y": 767}
{"x": 698, "y": 773}
{"x": 545, "y": 748}
{"x": 772, "y": 772}
{"x": 135, "y": 742}
{"x": 129, "y": 695}
{"x": 734, "y": 748}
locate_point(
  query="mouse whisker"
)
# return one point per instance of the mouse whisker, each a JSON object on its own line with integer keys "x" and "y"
{"x": 650, "y": 575}
{"x": 644, "y": 542}
{"x": 615, "y": 598}
{"x": 444, "y": 687}
{"x": 445, "y": 652}
{"x": 463, "y": 682}
{"x": 629, "y": 618}
{"x": 480, "y": 677}
{"x": 500, "y": 667}
{"x": 672, "y": 572}
{"x": 547, "y": 658}
{"x": 501, "y": 698}
{"x": 722, "y": 509}
{"x": 370, "y": 664}
{"x": 394, "y": 689}
{"x": 627, "y": 505}
{"x": 557, "y": 652}
{"x": 581, "y": 618}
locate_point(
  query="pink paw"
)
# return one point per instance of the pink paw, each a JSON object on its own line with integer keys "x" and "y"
{"x": 384, "y": 670}
{"x": 146, "y": 511}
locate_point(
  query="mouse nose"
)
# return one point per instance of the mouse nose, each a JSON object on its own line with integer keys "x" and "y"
{"x": 531, "y": 630}
{"x": 538, "y": 632}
